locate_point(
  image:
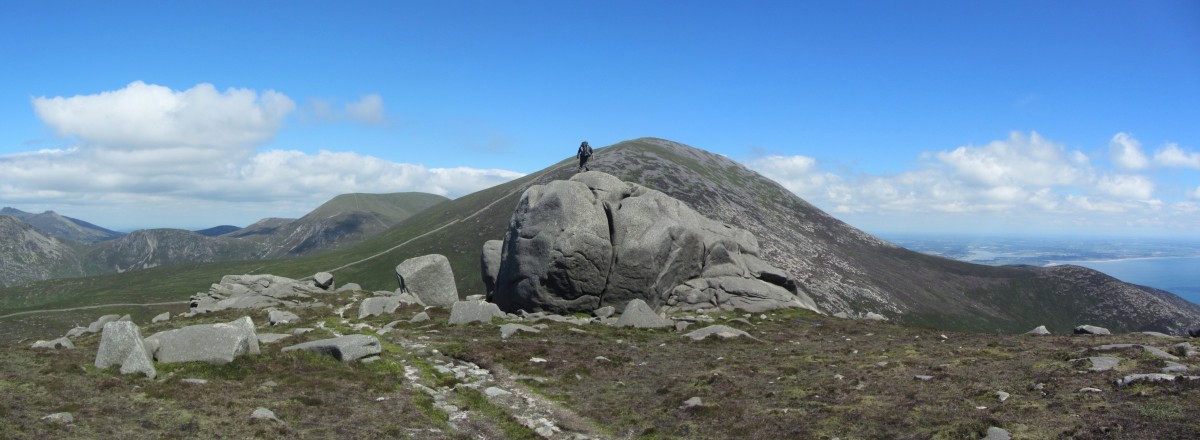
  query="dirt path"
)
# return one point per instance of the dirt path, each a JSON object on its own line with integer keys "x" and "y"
{"x": 98, "y": 306}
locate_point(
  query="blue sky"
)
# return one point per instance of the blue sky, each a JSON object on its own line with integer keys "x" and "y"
{"x": 1014, "y": 117}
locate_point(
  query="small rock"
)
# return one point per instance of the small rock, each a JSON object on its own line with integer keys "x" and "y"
{"x": 1174, "y": 367}
{"x": 1157, "y": 334}
{"x": 323, "y": 280}
{"x": 350, "y": 287}
{"x": 680, "y": 326}
{"x": 1002, "y": 395}
{"x": 276, "y": 317}
{"x": 301, "y": 331}
{"x": 692, "y": 403}
{"x": 161, "y": 317}
{"x": 61, "y": 417}
{"x": 466, "y": 312}
{"x": 194, "y": 381}
{"x": 872, "y": 316}
{"x": 62, "y": 342}
{"x": 639, "y": 314}
{"x": 267, "y": 338}
{"x": 995, "y": 433}
{"x": 1039, "y": 331}
{"x": 604, "y": 312}
{"x": 507, "y": 330}
{"x": 1091, "y": 330}
{"x": 264, "y": 414}
{"x": 1089, "y": 390}
{"x": 723, "y": 331}
{"x": 537, "y": 360}
{"x": 882, "y": 364}
{"x": 1038, "y": 386}
{"x": 1103, "y": 363}
{"x": 1151, "y": 377}
{"x": 347, "y": 348}
{"x": 838, "y": 377}
{"x": 474, "y": 298}
{"x": 420, "y": 317}
{"x": 496, "y": 392}
{"x": 922, "y": 377}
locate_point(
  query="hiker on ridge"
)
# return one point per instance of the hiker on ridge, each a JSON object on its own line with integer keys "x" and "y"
{"x": 585, "y": 153}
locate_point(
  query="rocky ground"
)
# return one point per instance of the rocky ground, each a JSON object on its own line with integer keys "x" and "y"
{"x": 794, "y": 375}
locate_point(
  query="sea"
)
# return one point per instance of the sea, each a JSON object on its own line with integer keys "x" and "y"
{"x": 1168, "y": 264}
{"x": 1178, "y": 275}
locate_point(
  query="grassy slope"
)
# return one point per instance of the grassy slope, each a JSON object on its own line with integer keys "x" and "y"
{"x": 803, "y": 376}
{"x": 394, "y": 205}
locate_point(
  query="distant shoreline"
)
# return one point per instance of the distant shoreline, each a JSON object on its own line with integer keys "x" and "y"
{"x": 1117, "y": 260}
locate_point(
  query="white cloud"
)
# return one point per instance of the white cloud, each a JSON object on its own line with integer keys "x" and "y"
{"x": 1127, "y": 153}
{"x": 150, "y": 117}
{"x": 146, "y": 148}
{"x": 1172, "y": 155}
{"x": 1126, "y": 187}
{"x": 1018, "y": 161}
{"x": 798, "y": 174}
{"x": 1023, "y": 181}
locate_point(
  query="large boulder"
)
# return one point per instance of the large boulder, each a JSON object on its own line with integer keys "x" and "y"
{"x": 213, "y": 343}
{"x": 429, "y": 278}
{"x": 121, "y": 344}
{"x": 594, "y": 241}
{"x": 344, "y": 348}
{"x": 489, "y": 264}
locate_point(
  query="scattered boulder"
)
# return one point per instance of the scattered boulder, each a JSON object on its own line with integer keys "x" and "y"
{"x": 350, "y": 287}
{"x": 1103, "y": 363}
{"x": 161, "y": 317}
{"x": 76, "y": 332}
{"x": 593, "y": 241}
{"x": 420, "y": 317}
{"x": 1151, "y": 377}
{"x": 639, "y": 314}
{"x": 496, "y": 392}
{"x": 995, "y": 433}
{"x": 276, "y": 317}
{"x": 508, "y": 330}
{"x": 1186, "y": 349}
{"x": 604, "y": 312}
{"x": 722, "y": 331}
{"x": 872, "y": 316}
{"x": 378, "y": 305}
{"x": 489, "y": 265}
{"x": 121, "y": 344}
{"x": 1174, "y": 367}
{"x": 1157, "y": 335}
{"x": 261, "y": 413}
{"x": 429, "y": 278}
{"x": 98, "y": 325}
{"x": 464, "y": 312}
{"x": 1039, "y": 331}
{"x": 1153, "y": 351}
{"x": 1091, "y": 330}
{"x": 213, "y": 343}
{"x": 54, "y": 344}
{"x": 347, "y": 348}
{"x": 60, "y": 417}
{"x": 323, "y": 280}
{"x": 268, "y": 338}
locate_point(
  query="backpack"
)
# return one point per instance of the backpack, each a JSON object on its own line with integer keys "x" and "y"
{"x": 586, "y": 150}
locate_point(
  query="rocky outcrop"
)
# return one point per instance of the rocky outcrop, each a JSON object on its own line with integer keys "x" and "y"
{"x": 593, "y": 241}
{"x": 253, "y": 291}
{"x": 429, "y": 278}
